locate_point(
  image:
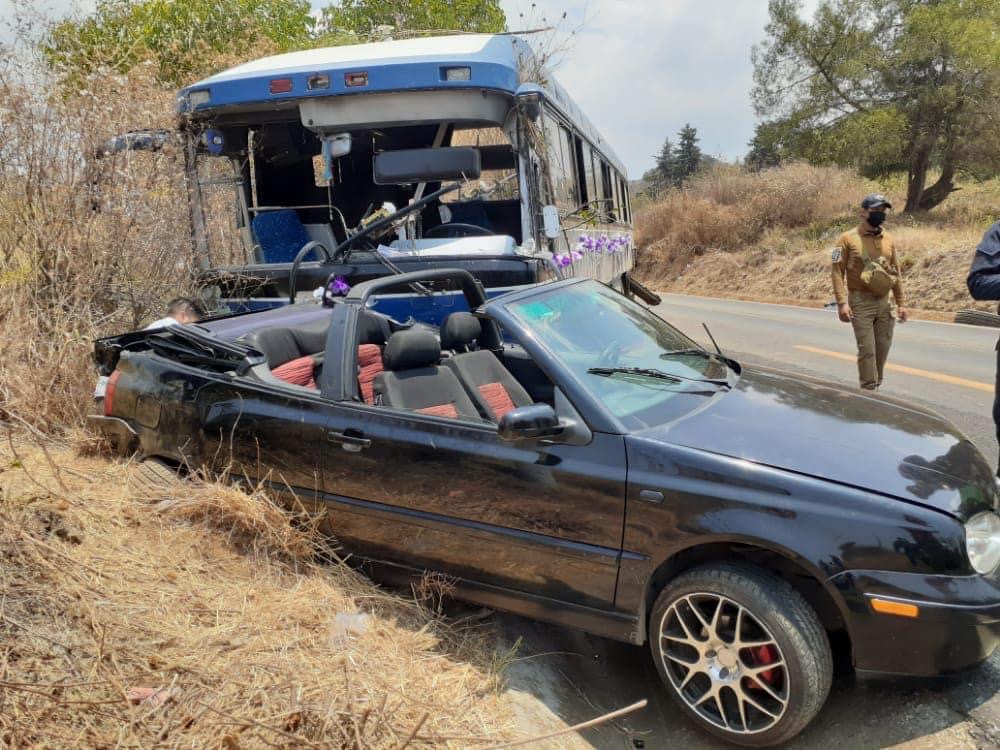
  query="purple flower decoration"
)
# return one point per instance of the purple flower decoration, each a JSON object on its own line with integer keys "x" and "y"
{"x": 339, "y": 286}
{"x": 575, "y": 255}
{"x": 562, "y": 260}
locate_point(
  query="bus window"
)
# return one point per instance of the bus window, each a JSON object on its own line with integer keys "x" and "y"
{"x": 562, "y": 165}
{"x": 499, "y": 162}
{"x": 626, "y": 202}
{"x": 572, "y": 170}
{"x": 591, "y": 173}
{"x": 581, "y": 180}
{"x": 616, "y": 198}
{"x": 608, "y": 210}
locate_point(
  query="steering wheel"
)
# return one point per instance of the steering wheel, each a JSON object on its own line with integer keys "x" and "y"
{"x": 457, "y": 229}
{"x": 293, "y": 274}
{"x": 609, "y": 355}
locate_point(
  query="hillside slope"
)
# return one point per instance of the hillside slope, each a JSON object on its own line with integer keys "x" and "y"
{"x": 748, "y": 237}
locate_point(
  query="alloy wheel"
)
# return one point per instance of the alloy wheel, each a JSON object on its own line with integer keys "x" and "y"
{"x": 724, "y": 663}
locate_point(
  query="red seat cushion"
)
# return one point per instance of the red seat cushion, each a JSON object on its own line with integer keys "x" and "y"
{"x": 441, "y": 410}
{"x": 369, "y": 365}
{"x": 297, "y": 372}
{"x": 497, "y": 398}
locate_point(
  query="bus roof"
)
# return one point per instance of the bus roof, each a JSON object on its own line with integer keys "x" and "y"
{"x": 396, "y": 65}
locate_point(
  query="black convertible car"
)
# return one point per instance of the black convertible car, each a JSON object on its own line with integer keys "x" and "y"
{"x": 563, "y": 453}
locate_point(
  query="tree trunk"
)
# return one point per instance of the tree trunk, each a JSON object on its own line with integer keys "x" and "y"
{"x": 916, "y": 177}
{"x": 945, "y": 185}
{"x": 936, "y": 193}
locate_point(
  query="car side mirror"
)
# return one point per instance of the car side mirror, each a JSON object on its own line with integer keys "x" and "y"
{"x": 529, "y": 422}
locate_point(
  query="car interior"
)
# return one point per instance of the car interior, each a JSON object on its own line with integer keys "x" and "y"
{"x": 411, "y": 366}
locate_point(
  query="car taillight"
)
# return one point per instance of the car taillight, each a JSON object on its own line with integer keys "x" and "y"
{"x": 109, "y": 393}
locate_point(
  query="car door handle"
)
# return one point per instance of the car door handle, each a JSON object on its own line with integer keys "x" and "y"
{"x": 351, "y": 440}
{"x": 651, "y": 496}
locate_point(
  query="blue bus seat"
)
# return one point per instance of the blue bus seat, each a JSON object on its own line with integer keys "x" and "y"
{"x": 280, "y": 235}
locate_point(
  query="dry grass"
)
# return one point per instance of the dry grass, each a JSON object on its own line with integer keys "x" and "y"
{"x": 192, "y": 614}
{"x": 746, "y": 236}
{"x": 88, "y": 247}
{"x": 189, "y": 614}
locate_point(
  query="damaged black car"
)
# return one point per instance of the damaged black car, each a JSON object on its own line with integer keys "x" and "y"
{"x": 563, "y": 453}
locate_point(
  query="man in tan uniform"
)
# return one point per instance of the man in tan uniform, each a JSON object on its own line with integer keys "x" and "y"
{"x": 865, "y": 270}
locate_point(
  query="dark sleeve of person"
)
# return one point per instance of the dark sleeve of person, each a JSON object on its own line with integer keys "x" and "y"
{"x": 984, "y": 275}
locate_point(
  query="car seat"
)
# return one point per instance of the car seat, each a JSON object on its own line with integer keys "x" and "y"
{"x": 414, "y": 380}
{"x": 488, "y": 383}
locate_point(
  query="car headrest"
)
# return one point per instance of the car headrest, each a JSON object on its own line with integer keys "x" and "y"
{"x": 311, "y": 337}
{"x": 373, "y": 328}
{"x": 407, "y": 350}
{"x": 277, "y": 344}
{"x": 459, "y": 330}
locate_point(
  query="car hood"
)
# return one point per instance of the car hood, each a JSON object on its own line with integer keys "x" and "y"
{"x": 872, "y": 442}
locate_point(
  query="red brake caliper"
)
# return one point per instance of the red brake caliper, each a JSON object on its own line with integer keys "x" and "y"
{"x": 766, "y": 654}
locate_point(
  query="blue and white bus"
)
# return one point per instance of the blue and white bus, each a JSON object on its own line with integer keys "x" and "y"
{"x": 346, "y": 163}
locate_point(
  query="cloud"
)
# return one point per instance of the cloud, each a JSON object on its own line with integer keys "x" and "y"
{"x": 642, "y": 70}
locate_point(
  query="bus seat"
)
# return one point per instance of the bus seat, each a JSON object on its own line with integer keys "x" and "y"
{"x": 280, "y": 234}
{"x": 470, "y": 212}
{"x": 323, "y": 234}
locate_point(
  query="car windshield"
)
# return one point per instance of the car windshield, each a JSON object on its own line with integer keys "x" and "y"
{"x": 627, "y": 357}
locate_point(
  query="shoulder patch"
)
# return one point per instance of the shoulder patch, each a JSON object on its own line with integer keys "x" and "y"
{"x": 837, "y": 254}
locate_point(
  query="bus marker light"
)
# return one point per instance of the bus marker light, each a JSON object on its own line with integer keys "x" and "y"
{"x": 318, "y": 81}
{"x": 456, "y": 74}
{"x": 352, "y": 80}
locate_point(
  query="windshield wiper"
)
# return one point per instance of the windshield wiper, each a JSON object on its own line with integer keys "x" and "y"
{"x": 730, "y": 363}
{"x": 650, "y": 372}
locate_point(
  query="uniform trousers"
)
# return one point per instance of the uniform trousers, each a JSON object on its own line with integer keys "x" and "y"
{"x": 873, "y": 324}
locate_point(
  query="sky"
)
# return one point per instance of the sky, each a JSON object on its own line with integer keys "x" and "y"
{"x": 642, "y": 69}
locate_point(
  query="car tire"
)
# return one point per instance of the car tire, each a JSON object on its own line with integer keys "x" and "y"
{"x": 978, "y": 318}
{"x": 761, "y": 693}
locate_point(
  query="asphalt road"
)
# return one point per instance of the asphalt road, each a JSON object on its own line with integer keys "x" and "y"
{"x": 567, "y": 677}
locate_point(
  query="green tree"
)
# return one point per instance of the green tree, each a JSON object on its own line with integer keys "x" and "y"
{"x": 765, "y": 151}
{"x": 664, "y": 174}
{"x": 184, "y": 38}
{"x": 365, "y": 16}
{"x": 688, "y": 155}
{"x": 885, "y": 86}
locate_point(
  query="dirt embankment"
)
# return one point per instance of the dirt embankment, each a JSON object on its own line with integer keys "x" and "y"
{"x": 723, "y": 236}
{"x": 147, "y": 613}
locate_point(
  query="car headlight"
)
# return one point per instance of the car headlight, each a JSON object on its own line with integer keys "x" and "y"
{"x": 982, "y": 542}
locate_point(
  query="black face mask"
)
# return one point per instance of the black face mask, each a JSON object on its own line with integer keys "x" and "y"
{"x": 875, "y": 218}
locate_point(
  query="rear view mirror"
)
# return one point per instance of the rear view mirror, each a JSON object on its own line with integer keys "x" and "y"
{"x": 336, "y": 145}
{"x": 550, "y": 221}
{"x": 426, "y": 165}
{"x": 529, "y": 422}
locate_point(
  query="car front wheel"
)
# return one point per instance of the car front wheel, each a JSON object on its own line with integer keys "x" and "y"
{"x": 742, "y": 653}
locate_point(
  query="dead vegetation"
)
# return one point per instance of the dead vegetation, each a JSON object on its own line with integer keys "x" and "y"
{"x": 768, "y": 236}
{"x": 144, "y": 612}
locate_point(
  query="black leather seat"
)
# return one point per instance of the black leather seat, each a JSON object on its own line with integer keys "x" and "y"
{"x": 488, "y": 383}
{"x": 413, "y": 379}
{"x": 277, "y": 344}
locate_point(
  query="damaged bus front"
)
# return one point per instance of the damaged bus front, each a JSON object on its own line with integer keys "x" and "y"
{"x": 324, "y": 168}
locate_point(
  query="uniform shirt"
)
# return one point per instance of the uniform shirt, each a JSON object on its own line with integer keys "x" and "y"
{"x": 984, "y": 276}
{"x": 847, "y": 261}
{"x": 162, "y": 323}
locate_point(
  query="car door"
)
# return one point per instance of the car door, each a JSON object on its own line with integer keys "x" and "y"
{"x": 268, "y": 435}
{"x": 448, "y": 495}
